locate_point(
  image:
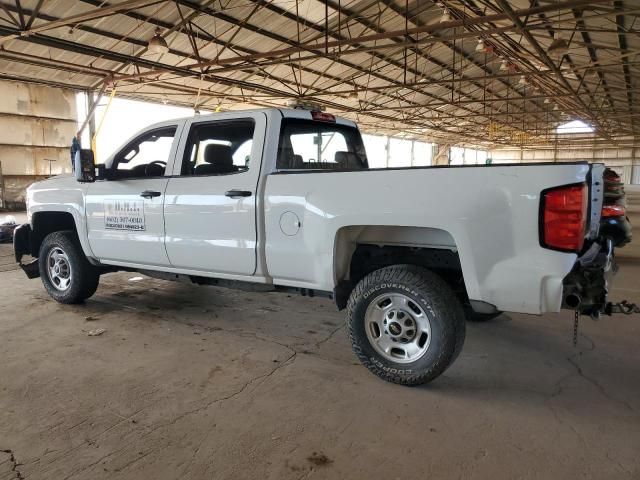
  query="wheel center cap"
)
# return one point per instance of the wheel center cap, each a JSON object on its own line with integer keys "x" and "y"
{"x": 395, "y": 328}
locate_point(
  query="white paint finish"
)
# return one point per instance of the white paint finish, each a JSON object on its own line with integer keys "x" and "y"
{"x": 289, "y": 223}
{"x": 491, "y": 213}
{"x": 188, "y": 271}
{"x": 488, "y": 214}
{"x": 145, "y": 247}
{"x": 205, "y": 229}
{"x": 60, "y": 194}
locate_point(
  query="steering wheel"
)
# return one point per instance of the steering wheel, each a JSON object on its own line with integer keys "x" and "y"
{"x": 155, "y": 162}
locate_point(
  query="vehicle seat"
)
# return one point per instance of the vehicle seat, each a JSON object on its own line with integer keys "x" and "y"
{"x": 288, "y": 160}
{"x": 136, "y": 172}
{"x": 218, "y": 160}
{"x": 348, "y": 160}
{"x": 154, "y": 170}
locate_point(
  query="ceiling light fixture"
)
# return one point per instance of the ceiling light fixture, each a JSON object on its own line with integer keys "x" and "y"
{"x": 480, "y": 45}
{"x": 504, "y": 66}
{"x": 546, "y": 100}
{"x": 157, "y": 44}
{"x": 446, "y": 16}
{"x": 522, "y": 81}
{"x": 558, "y": 47}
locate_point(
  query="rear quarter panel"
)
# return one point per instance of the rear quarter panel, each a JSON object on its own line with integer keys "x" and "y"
{"x": 492, "y": 214}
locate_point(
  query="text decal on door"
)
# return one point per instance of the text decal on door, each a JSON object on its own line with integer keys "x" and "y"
{"x": 124, "y": 215}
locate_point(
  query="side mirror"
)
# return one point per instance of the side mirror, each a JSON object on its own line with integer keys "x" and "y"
{"x": 84, "y": 166}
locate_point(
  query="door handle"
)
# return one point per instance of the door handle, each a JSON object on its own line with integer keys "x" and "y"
{"x": 237, "y": 193}
{"x": 150, "y": 194}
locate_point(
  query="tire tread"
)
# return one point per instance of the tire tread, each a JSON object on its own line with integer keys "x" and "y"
{"x": 443, "y": 299}
{"x": 86, "y": 275}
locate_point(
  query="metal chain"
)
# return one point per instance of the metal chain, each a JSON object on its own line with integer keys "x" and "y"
{"x": 624, "y": 307}
{"x": 575, "y": 328}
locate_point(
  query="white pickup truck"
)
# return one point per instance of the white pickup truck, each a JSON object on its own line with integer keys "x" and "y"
{"x": 284, "y": 199}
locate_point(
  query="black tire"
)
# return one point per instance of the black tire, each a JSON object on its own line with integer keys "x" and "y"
{"x": 434, "y": 297}
{"x": 84, "y": 277}
{"x": 473, "y": 316}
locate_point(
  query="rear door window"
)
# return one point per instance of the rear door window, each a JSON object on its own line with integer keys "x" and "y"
{"x": 218, "y": 148}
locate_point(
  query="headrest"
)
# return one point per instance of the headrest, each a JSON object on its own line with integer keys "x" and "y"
{"x": 289, "y": 160}
{"x": 154, "y": 170}
{"x": 218, "y": 154}
{"x": 348, "y": 160}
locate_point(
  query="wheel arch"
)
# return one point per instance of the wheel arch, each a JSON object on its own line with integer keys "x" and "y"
{"x": 361, "y": 249}
{"x": 48, "y": 221}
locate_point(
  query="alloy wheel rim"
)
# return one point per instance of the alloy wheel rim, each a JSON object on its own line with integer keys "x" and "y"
{"x": 397, "y": 328}
{"x": 59, "y": 269}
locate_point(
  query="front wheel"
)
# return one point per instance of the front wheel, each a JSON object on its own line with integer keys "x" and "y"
{"x": 66, "y": 273}
{"x": 406, "y": 325}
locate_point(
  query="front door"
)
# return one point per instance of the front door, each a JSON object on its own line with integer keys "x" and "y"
{"x": 210, "y": 201}
{"x": 125, "y": 213}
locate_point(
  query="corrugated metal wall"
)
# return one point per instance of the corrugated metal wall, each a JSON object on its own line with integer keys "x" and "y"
{"x": 37, "y": 124}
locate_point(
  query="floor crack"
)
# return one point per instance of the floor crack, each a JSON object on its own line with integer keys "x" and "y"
{"x": 572, "y": 359}
{"x": 14, "y": 463}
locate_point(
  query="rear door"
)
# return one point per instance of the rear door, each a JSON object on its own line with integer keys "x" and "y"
{"x": 210, "y": 207}
{"x": 125, "y": 213}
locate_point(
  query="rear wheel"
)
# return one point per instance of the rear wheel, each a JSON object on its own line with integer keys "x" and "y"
{"x": 405, "y": 324}
{"x": 66, "y": 273}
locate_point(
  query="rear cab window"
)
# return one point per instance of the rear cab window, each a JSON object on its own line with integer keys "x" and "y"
{"x": 314, "y": 145}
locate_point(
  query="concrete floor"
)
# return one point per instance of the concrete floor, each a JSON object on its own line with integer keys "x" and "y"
{"x": 204, "y": 383}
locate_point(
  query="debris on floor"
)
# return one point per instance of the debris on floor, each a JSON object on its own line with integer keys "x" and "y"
{"x": 319, "y": 459}
{"x": 96, "y": 332}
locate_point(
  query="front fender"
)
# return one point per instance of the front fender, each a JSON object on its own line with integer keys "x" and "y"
{"x": 61, "y": 195}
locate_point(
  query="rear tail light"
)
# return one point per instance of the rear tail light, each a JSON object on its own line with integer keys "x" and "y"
{"x": 613, "y": 211}
{"x": 564, "y": 217}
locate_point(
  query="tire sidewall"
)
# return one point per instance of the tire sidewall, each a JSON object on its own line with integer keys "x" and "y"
{"x": 76, "y": 258}
{"x": 431, "y": 358}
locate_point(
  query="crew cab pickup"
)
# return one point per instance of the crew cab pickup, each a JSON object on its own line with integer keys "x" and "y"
{"x": 284, "y": 199}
